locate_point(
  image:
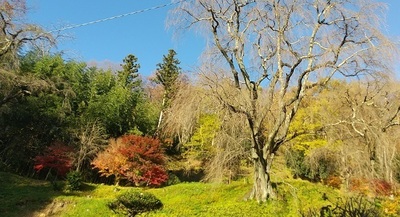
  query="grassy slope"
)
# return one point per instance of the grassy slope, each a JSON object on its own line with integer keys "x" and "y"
{"x": 24, "y": 197}
{"x": 21, "y": 196}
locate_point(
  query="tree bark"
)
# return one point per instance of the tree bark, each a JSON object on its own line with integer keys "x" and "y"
{"x": 262, "y": 186}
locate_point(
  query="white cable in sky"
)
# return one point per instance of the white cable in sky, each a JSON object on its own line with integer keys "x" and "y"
{"x": 114, "y": 17}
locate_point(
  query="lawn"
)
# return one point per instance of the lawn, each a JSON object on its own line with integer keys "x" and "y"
{"x": 27, "y": 197}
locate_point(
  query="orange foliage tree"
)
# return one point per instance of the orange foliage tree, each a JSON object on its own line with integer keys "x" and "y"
{"x": 138, "y": 159}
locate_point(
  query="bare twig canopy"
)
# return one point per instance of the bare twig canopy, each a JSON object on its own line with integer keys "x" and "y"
{"x": 274, "y": 51}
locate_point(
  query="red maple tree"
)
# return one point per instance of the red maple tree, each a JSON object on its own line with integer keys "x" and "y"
{"x": 56, "y": 157}
{"x": 135, "y": 158}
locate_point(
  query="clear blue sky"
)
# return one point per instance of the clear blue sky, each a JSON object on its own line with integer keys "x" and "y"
{"x": 143, "y": 34}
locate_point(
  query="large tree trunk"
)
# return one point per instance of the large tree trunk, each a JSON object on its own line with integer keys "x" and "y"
{"x": 262, "y": 186}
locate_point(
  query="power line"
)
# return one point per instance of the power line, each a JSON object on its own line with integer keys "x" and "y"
{"x": 115, "y": 17}
{"x": 107, "y": 19}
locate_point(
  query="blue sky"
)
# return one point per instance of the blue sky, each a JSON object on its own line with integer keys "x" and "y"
{"x": 143, "y": 34}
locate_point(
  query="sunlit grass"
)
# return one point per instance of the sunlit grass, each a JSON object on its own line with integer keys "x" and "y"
{"x": 185, "y": 199}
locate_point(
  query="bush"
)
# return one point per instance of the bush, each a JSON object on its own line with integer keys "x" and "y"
{"x": 133, "y": 203}
{"x": 57, "y": 185}
{"x": 55, "y": 158}
{"x": 295, "y": 160}
{"x": 74, "y": 180}
{"x": 321, "y": 164}
{"x": 381, "y": 187}
{"x": 138, "y": 159}
{"x": 357, "y": 206}
{"x": 172, "y": 179}
{"x": 333, "y": 181}
{"x": 378, "y": 187}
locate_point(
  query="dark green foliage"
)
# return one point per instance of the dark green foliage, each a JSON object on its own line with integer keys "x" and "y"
{"x": 358, "y": 206}
{"x": 129, "y": 76}
{"x": 167, "y": 75}
{"x": 146, "y": 117}
{"x": 319, "y": 165}
{"x": 74, "y": 180}
{"x": 57, "y": 185}
{"x": 295, "y": 160}
{"x": 172, "y": 179}
{"x": 133, "y": 203}
{"x": 113, "y": 99}
{"x": 63, "y": 97}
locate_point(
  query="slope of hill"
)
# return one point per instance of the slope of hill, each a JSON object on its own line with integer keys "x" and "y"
{"x": 21, "y": 196}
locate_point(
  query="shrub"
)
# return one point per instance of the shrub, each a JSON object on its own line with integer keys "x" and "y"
{"x": 359, "y": 185}
{"x": 323, "y": 163}
{"x": 57, "y": 185}
{"x": 320, "y": 164}
{"x": 381, "y": 187}
{"x": 74, "y": 180}
{"x": 172, "y": 179}
{"x": 133, "y": 203}
{"x": 295, "y": 160}
{"x": 357, "y": 206}
{"x": 135, "y": 158}
{"x": 56, "y": 158}
{"x": 333, "y": 181}
{"x": 367, "y": 186}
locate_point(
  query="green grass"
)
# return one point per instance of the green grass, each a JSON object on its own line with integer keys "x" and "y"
{"x": 21, "y": 196}
{"x": 24, "y": 197}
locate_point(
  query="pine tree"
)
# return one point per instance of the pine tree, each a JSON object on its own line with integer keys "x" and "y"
{"x": 129, "y": 76}
{"x": 167, "y": 75}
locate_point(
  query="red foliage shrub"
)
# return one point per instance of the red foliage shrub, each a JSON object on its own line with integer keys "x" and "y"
{"x": 138, "y": 159}
{"x": 372, "y": 186}
{"x": 381, "y": 187}
{"x": 56, "y": 157}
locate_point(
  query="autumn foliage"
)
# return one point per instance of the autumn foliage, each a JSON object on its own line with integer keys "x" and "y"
{"x": 57, "y": 157}
{"x": 134, "y": 158}
{"x": 365, "y": 186}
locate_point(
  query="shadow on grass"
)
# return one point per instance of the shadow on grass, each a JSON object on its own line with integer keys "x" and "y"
{"x": 20, "y": 196}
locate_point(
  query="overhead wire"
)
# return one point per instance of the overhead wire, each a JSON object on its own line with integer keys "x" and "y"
{"x": 108, "y": 18}
{"x": 114, "y": 17}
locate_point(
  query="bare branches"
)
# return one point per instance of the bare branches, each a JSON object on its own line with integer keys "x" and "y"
{"x": 280, "y": 50}
{"x": 14, "y": 34}
{"x": 91, "y": 140}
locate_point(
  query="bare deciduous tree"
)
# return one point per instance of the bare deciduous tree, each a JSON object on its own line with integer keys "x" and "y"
{"x": 231, "y": 145}
{"x": 276, "y": 50}
{"x": 369, "y": 118}
{"x": 14, "y": 33}
{"x": 91, "y": 141}
{"x": 183, "y": 113}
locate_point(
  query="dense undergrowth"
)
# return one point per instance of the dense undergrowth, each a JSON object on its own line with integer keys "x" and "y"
{"x": 25, "y": 197}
